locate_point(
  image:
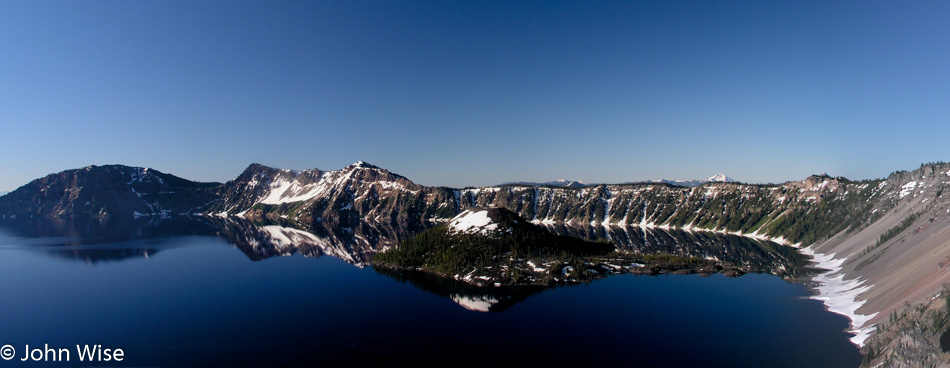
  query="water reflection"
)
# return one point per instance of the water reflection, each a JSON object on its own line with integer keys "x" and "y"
{"x": 58, "y": 232}
{"x": 752, "y": 255}
{"x": 204, "y": 302}
{"x": 95, "y": 242}
{"x": 259, "y": 241}
{"x": 101, "y": 241}
{"x": 474, "y": 298}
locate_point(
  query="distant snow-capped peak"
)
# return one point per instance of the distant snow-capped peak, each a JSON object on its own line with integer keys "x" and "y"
{"x": 721, "y": 178}
{"x": 363, "y": 164}
{"x": 718, "y": 178}
{"x": 566, "y": 183}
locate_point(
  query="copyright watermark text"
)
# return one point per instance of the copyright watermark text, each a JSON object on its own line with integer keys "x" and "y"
{"x": 81, "y": 353}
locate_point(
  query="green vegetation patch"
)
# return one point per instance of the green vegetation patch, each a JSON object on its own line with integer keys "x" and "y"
{"x": 450, "y": 253}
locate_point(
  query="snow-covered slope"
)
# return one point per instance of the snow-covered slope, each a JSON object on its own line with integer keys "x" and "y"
{"x": 358, "y": 192}
{"x": 472, "y": 222}
{"x": 899, "y": 256}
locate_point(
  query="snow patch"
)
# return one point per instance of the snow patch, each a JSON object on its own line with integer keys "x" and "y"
{"x": 841, "y": 296}
{"x": 282, "y": 191}
{"x": 908, "y": 188}
{"x": 475, "y": 303}
{"x": 472, "y": 222}
{"x": 535, "y": 267}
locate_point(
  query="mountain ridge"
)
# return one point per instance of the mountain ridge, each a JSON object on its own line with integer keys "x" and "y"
{"x": 106, "y": 191}
{"x": 261, "y": 191}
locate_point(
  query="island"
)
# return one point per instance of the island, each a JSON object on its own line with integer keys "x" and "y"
{"x": 496, "y": 247}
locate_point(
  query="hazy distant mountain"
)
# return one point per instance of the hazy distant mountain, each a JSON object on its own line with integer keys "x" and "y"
{"x": 557, "y": 183}
{"x": 718, "y": 178}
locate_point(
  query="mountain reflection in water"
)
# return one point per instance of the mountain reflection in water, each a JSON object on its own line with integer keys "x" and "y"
{"x": 93, "y": 242}
{"x": 753, "y": 255}
{"x": 112, "y": 241}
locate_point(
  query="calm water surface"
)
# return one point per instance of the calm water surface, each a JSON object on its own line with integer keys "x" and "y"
{"x": 171, "y": 300}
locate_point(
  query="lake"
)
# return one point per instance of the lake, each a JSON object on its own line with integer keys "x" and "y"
{"x": 220, "y": 293}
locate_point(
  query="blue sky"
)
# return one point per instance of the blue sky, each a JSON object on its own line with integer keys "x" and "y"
{"x": 476, "y": 93}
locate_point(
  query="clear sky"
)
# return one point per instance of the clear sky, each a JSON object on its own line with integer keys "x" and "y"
{"x": 457, "y": 93}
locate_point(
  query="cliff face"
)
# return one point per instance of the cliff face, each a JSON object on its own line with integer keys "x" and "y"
{"x": 911, "y": 337}
{"x": 797, "y": 211}
{"x": 342, "y": 198}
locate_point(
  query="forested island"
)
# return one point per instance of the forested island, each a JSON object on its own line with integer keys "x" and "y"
{"x": 496, "y": 247}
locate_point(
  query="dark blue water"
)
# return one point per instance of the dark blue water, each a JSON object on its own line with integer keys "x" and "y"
{"x": 198, "y": 301}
